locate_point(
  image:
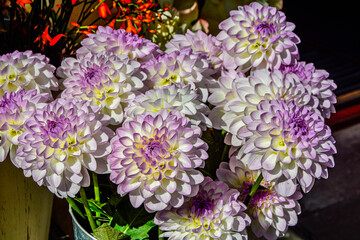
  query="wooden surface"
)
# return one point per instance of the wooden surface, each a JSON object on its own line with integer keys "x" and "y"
{"x": 25, "y": 208}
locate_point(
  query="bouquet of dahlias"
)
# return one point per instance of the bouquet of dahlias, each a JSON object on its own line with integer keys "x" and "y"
{"x": 217, "y": 137}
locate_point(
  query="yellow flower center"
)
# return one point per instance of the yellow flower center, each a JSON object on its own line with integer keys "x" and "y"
{"x": 170, "y": 80}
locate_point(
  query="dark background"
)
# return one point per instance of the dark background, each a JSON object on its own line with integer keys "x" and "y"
{"x": 329, "y": 31}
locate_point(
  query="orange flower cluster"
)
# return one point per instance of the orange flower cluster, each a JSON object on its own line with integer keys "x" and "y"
{"x": 45, "y": 38}
{"x": 135, "y": 15}
{"x": 23, "y": 2}
{"x": 103, "y": 9}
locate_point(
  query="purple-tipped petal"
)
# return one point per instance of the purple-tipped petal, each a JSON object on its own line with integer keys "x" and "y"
{"x": 158, "y": 160}
{"x": 270, "y": 212}
{"x": 50, "y": 144}
{"x": 213, "y": 213}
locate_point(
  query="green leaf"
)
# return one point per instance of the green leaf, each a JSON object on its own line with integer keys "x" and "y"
{"x": 139, "y": 233}
{"x": 95, "y": 207}
{"x": 105, "y": 232}
{"x": 74, "y": 206}
{"x": 122, "y": 229}
{"x": 135, "y": 217}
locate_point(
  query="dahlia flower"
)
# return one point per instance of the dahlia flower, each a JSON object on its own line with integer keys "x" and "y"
{"x": 172, "y": 97}
{"x": 257, "y": 35}
{"x": 60, "y": 143}
{"x": 321, "y": 88}
{"x": 118, "y": 42}
{"x": 270, "y": 213}
{"x": 108, "y": 82}
{"x": 288, "y": 143}
{"x": 237, "y": 95}
{"x": 15, "y": 109}
{"x": 214, "y": 213}
{"x": 26, "y": 70}
{"x": 182, "y": 68}
{"x": 198, "y": 42}
{"x": 154, "y": 159}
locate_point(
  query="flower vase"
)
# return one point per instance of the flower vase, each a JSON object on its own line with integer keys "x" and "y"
{"x": 25, "y": 208}
{"x": 79, "y": 232}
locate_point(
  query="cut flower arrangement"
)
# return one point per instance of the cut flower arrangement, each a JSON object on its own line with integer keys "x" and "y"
{"x": 217, "y": 137}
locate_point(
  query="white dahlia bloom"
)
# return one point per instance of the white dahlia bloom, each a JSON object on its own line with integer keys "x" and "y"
{"x": 288, "y": 143}
{"x": 181, "y": 68}
{"x": 154, "y": 157}
{"x": 198, "y": 42}
{"x": 173, "y": 97}
{"x": 270, "y": 213}
{"x": 257, "y": 35}
{"x": 15, "y": 109}
{"x": 26, "y": 70}
{"x": 214, "y": 213}
{"x": 237, "y": 95}
{"x": 60, "y": 143}
{"x": 320, "y": 87}
{"x": 108, "y": 82}
{"x": 118, "y": 42}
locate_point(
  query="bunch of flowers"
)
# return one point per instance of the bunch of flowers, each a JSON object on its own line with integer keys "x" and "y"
{"x": 214, "y": 138}
{"x": 56, "y": 28}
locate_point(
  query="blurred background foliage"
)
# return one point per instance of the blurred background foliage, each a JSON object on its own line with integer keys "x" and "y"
{"x": 56, "y": 27}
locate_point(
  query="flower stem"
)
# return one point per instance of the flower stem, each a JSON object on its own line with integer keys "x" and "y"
{"x": 160, "y": 232}
{"x": 253, "y": 189}
{"x": 87, "y": 209}
{"x": 225, "y": 153}
{"x": 97, "y": 194}
{"x": 74, "y": 206}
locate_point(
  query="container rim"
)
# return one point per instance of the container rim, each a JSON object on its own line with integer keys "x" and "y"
{"x": 78, "y": 225}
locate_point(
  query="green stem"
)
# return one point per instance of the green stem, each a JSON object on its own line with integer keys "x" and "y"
{"x": 253, "y": 189}
{"x": 97, "y": 194}
{"x": 160, "y": 232}
{"x": 74, "y": 206}
{"x": 87, "y": 209}
{"x": 225, "y": 153}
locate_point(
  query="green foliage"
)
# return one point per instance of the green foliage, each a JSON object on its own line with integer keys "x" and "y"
{"x": 121, "y": 220}
{"x": 139, "y": 233}
{"x": 105, "y": 232}
{"x": 124, "y": 213}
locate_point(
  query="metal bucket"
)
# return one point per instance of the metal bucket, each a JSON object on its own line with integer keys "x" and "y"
{"x": 79, "y": 232}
